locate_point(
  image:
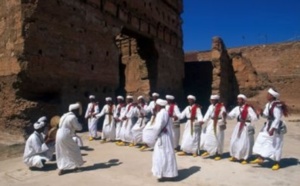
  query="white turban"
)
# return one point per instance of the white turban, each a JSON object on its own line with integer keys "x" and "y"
{"x": 39, "y": 125}
{"x": 242, "y": 96}
{"x": 273, "y": 93}
{"x": 214, "y": 97}
{"x": 120, "y": 97}
{"x": 140, "y": 97}
{"x": 108, "y": 99}
{"x": 75, "y": 106}
{"x": 191, "y": 97}
{"x": 170, "y": 97}
{"x": 44, "y": 118}
{"x": 129, "y": 97}
{"x": 92, "y": 97}
{"x": 161, "y": 102}
{"x": 155, "y": 94}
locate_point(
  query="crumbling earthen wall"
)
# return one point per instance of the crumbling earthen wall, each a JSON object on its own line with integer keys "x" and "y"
{"x": 256, "y": 68}
{"x": 278, "y": 66}
{"x": 224, "y": 80}
{"x": 56, "y": 52}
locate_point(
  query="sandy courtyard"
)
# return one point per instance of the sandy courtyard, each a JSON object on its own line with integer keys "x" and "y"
{"x": 108, "y": 164}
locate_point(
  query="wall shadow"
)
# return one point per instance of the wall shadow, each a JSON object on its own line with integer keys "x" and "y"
{"x": 198, "y": 81}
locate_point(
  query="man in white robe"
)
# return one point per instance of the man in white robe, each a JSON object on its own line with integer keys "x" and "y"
{"x": 214, "y": 134}
{"x": 191, "y": 134}
{"x": 50, "y": 145}
{"x": 108, "y": 128}
{"x": 140, "y": 113}
{"x": 35, "y": 153}
{"x": 242, "y": 138}
{"x": 174, "y": 114}
{"x": 269, "y": 141}
{"x": 120, "y": 108}
{"x": 127, "y": 123}
{"x": 164, "y": 165}
{"x": 150, "y": 114}
{"x": 68, "y": 155}
{"x": 151, "y": 106}
{"x": 90, "y": 114}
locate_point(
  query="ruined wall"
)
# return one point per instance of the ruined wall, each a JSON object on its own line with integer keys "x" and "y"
{"x": 66, "y": 50}
{"x": 224, "y": 80}
{"x": 256, "y": 68}
{"x": 276, "y": 65}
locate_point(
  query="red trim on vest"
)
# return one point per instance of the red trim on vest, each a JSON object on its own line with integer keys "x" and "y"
{"x": 216, "y": 115}
{"x": 171, "y": 110}
{"x": 243, "y": 118}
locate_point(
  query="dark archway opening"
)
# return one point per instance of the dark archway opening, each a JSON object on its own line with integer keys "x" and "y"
{"x": 121, "y": 89}
{"x": 198, "y": 81}
{"x": 137, "y": 64}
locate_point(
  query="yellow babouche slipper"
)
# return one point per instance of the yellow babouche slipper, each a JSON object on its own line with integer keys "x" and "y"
{"x": 217, "y": 158}
{"x": 143, "y": 147}
{"x": 244, "y": 162}
{"x": 257, "y": 161}
{"x": 276, "y": 166}
{"x": 194, "y": 155}
{"x": 232, "y": 158}
{"x": 181, "y": 153}
{"x": 205, "y": 154}
{"x": 91, "y": 138}
{"x": 131, "y": 145}
{"x": 121, "y": 143}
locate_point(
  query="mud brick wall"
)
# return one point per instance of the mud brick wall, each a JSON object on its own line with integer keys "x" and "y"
{"x": 53, "y": 53}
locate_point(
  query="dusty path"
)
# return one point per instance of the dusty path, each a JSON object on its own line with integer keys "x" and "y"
{"x": 108, "y": 164}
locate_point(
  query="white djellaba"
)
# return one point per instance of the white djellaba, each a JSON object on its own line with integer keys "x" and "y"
{"x": 35, "y": 148}
{"x": 242, "y": 138}
{"x": 108, "y": 128}
{"x": 137, "y": 129}
{"x": 68, "y": 155}
{"x": 164, "y": 163}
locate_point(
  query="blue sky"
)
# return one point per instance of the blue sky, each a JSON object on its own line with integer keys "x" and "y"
{"x": 239, "y": 22}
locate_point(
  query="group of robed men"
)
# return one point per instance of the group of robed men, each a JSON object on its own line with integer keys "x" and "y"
{"x": 128, "y": 124}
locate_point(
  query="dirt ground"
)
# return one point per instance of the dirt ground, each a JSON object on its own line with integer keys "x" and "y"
{"x": 108, "y": 164}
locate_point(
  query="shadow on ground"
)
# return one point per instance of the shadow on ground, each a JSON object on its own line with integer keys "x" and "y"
{"x": 47, "y": 167}
{"x": 185, "y": 173}
{"x": 86, "y": 148}
{"x": 108, "y": 164}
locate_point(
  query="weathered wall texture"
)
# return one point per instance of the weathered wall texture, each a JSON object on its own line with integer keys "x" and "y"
{"x": 56, "y": 52}
{"x": 223, "y": 80}
{"x": 276, "y": 65}
{"x": 256, "y": 68}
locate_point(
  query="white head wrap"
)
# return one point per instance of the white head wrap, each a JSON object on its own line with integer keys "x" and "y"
{"x": 161, "y": 102}
{"x": 108, "y": 99}
{"x": 75, "y": 106}
{"x": 155, "y": 94}
{"x": 140, "y": 97}
{"x": 214, "y": 97}
{"x": 170, "y": 97}
{"x": 191, "y": 97}
{"x": 39, "y": 125}
{"x": 120, "y": 97}
{"x": 129, "y": 97}
{"x": 242, "y": 96}
{"x": 44, "y": 118}
{"x": 273, "y": 93}
{"x": 92, "y": 97}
